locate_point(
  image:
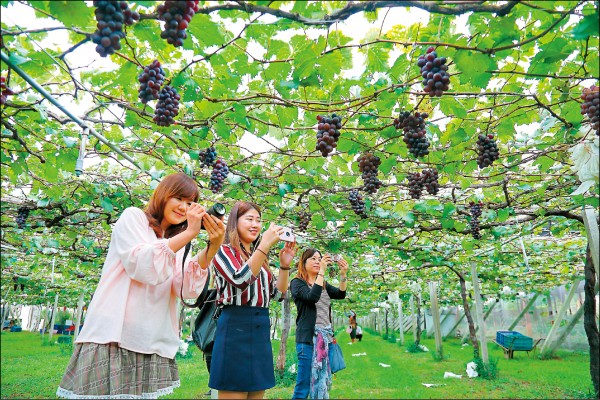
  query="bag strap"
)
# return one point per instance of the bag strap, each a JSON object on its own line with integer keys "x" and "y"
{"x": 204, "y": 293}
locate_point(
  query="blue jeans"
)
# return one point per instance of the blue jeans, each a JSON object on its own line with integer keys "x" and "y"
{"x": 302, "y": 388}
{"x": 305, "y": 356}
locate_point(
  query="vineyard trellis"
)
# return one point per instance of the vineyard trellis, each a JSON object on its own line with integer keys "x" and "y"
{"x": 252, "y": 79}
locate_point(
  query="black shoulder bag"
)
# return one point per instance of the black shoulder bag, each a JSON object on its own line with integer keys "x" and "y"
{"x": 205, "y": 326}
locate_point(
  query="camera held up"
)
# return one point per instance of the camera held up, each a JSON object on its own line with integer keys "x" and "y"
{"x": 218, "y": 210}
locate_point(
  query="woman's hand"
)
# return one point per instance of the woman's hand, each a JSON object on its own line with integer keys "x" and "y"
{"x": 215, "y": 228}
{"x": 325, "y": 261}
{"x": 287, "y": 254}
{"x": 343, "y": 264}
{"x": 271, "y": 236}
{"x": 194, "y": 215}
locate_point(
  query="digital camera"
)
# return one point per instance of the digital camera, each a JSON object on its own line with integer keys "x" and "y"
{"x": 287, "y": 235}
{"x": 218, "y": 210}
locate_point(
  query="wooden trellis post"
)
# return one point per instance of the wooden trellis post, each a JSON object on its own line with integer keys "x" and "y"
{"x": 479, "y": 314}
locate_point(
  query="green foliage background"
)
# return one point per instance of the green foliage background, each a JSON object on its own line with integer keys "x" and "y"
{"x": 263, "y": 71}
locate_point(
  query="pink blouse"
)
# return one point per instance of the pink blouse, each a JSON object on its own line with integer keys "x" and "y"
{"x": 136, "y": 301}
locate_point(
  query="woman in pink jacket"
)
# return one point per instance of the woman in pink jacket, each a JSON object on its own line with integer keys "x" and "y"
{"x": 127, "y": 346}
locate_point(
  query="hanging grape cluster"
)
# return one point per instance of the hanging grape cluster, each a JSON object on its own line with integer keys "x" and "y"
{"x": 430, "y": 180}
{"x": 434, "y": 72}
{"x": 110, "y": 17}
{"x": 177, "y": 16}
{"x": 415, "y": 184}
{"x": 4, "y": 91}
{"x": 487, "y": 150}
{"x": 368, "y": 165}
{"x": 167, "y": 106}
{"x": 22, "y": 214}
{"x": 475, "y": 209}
{"x": 357, "y": 203}
{"x": 591, "y": 106}
{"x": 218, "y": 175}
{"x": 427, "y": 179}
{"x": 150, "y": 82}
{"x": 328, "y": 133}
{"x": 304, "y": 217}
{"x": 415, "y": 135}
{"x": 207, "y": 157}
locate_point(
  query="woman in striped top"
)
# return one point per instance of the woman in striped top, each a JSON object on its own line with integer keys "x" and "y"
{"x": 242, "y": 359}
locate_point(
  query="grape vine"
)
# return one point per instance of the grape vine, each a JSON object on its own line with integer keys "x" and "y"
{"x": 487, "y": 150}
{"x": 475, "y": 209}
{"x": 110, "y": 17}
{"x": 357, "y": 203}
{"x": 150, "y": 82}
{"x": 167, "y": 106}
{"x": 304, "y": 217}
{"x": 218, "y": 175}
{"x": 22, "y": 214}
{"x": 434, "y": 72}
{"x": 4, "y": 91}
{"x": 328, "y": 133}
{"x": 177, "y": 16}
{"x": 207, "y": 157}
{"x": 591, "y": 106}
{"x": 368, "y": 165}
{"x": 415, "y": 135}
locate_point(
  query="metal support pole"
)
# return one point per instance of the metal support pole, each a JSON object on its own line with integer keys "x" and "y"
{"x": 401, "y": 318}
{"x": 530, "y": 304}
{"x": 560, "y": 316}
{"x": 75, "y": 119}
{"x": 435, "y": 314}
{"x": 479, "y": 314}
{"x": 78, "y": 320}
{"x": 413, "y": 317}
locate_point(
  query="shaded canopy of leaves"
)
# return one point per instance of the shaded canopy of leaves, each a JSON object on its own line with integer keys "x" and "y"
{"x": 253, "y": 77}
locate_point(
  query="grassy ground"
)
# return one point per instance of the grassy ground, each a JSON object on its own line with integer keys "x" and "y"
{"x": 31, "y": 369}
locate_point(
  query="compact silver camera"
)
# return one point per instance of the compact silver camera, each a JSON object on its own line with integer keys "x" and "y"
{"x": 287, "y": 235}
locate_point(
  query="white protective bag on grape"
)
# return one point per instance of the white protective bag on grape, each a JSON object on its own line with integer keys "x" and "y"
{"x": 585, "y": 157}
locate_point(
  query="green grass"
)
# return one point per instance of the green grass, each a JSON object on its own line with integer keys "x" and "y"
{"x": 31, "y": 370}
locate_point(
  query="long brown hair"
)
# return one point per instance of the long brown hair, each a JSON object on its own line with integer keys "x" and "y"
{"x": 232, "y": 237}
{"x": 174, "y": 185}
{"x": 308, "y": 253}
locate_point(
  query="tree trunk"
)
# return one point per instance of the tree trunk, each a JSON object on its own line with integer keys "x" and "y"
{"x": 589, "y": 321}
{"x": 287, "y": 317}
{"x": 472, "y": 333}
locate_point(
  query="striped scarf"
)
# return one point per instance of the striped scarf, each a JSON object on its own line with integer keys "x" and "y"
{"x": 320, "y": 374}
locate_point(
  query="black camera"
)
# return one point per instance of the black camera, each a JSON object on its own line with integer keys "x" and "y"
{"x": 217, "y": 209}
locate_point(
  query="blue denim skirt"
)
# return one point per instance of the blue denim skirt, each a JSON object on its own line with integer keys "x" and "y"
{"x": 242, "y": 358}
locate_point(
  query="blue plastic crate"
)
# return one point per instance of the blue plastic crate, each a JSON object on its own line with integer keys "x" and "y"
{"x": 514, "y": 340}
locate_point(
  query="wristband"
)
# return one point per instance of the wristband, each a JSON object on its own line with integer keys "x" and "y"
{"x": 262, "y": 252}
{"x": 322, "y": 275}
{"x": 285, "y": 269}
{"x": 344, "y": 279}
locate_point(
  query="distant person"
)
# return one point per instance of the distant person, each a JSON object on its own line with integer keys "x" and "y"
{"x": 314, "y": 332}
{"x": 359, "y": 333}
{"x": 128, "y": 344}
{"x": 242, "y": 357}
{"x": 352, "y": 326}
